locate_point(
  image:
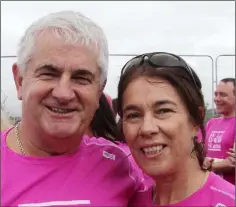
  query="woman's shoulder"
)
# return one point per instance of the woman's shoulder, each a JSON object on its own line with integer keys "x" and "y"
{"x": 222, "y": 192}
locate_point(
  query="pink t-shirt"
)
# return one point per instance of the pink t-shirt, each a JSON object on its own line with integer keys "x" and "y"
{"x": 215, "y": 192}
{"x": 220, "y": 136}
{"x": 98, "y": 174}
{"x": 148, "y": 181}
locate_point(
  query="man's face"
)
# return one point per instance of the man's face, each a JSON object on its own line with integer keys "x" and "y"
{"x": 225, "y": 98}
{"x": 60, "y": 89}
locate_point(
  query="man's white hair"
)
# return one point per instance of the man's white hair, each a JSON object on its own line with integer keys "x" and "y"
{"x": 73, "y": 28}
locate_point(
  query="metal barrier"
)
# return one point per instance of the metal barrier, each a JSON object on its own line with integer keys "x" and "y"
{"x": 8, "y": 56}
{"x": 216, "y": 64}
{"x": 189, "y": 55}
{"x": 186, "y": 55}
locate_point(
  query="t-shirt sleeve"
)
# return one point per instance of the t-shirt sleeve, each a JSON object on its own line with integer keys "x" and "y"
{"x": 143, "y": 193}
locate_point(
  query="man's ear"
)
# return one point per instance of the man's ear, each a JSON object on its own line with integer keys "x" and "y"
{"x": 103, "y": 86}
{"x": 17, "y": 79}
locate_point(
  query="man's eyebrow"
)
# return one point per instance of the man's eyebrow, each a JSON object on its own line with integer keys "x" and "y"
{"x": 48, "y": 67}
{"x": 76, "y": 72}
{"x": 83, "y": 72}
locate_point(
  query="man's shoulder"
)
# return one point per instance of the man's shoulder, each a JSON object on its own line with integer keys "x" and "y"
{"x": 105, "y": 152}
{"x": 102, "y": 144}
{"x": 214, "y": 121}
{"x": 112, "y": 157}
{"x": 220, "y": 121}
{"x": 4, "y": 134}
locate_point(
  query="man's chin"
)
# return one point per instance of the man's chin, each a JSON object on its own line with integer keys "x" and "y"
{"x": 62, "y": 132}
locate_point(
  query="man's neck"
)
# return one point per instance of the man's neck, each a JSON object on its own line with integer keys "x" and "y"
{"x": 35, "y": 143}
{"x": 229, "y": 115}
{"x": 180, "y": 185}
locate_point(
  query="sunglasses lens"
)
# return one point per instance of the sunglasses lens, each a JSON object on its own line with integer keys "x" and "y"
{"x": 160, "y": 60}
{"x": 166, "y": 60}
{"x": 169, "y": 60}
{"x": 133, "y": 62}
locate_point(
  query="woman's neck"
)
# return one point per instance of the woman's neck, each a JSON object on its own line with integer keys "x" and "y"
{"x": 179, "y": 185}
{"x": 89, "y": 132}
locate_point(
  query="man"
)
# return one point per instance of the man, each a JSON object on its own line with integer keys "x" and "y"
{"x": 59, "y": 76}
{"x": 220, "y": 132}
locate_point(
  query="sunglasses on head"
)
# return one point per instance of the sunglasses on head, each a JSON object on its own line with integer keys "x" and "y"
{"x": 160, "y": 59}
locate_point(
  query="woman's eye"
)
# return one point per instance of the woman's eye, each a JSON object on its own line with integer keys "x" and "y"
{"x": 131, "y": 116}
{"x": 163, "y": 111}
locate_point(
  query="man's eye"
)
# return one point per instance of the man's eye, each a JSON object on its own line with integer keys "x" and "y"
{"x": 48, "y": 75}
{"x": 83, "y": 80}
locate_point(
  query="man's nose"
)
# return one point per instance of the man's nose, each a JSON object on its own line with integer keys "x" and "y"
{"x": 63, "y": 90}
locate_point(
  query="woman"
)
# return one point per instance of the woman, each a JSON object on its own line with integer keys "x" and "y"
{"x": 161, "y": 106}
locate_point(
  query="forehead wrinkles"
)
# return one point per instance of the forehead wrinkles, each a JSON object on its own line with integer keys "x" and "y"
{"x": 66, "y": 58}
{"x": 143, "y": 91}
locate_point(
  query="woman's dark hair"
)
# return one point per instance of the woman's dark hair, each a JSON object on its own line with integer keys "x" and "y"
{"x": 189, "y": 91}
{"x": 103, "y": 123}
{"x": 114, "y": 105}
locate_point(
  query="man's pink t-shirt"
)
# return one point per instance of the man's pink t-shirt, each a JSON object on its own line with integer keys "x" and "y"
{"x": 220, "y": 136}
{"x": 147, "y": 180}
{"x": 98, "y": 174}
{"x": 215, "y": 192}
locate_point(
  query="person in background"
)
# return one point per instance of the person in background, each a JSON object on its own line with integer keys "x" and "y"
{"x": 109, "y": 100}
{"x": 160, "y": 122}
{"x": 220, "y": 131}
{"x": 46, "y": 160}
{"x": 5, "y": 121}
{"x": 103, "y": 123}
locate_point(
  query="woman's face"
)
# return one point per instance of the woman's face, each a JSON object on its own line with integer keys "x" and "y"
{"x": 157, "y": 126}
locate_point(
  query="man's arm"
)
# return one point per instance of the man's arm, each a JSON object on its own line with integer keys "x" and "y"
{"x": 225, "y": 166}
